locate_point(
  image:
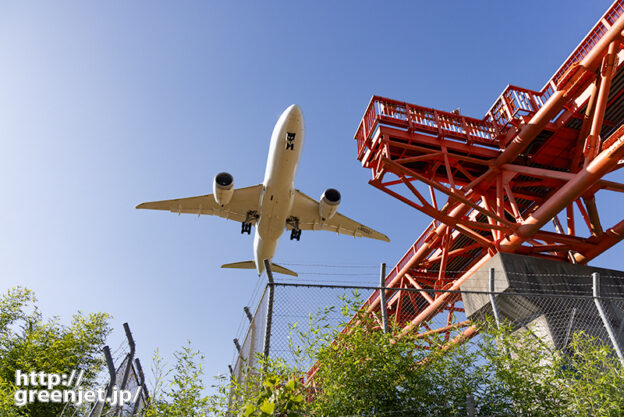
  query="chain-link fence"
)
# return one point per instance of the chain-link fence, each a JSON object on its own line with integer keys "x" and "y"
{"x": 254, "y": 338}
{"x": 135, "y": 383}
{"x": 125, "y": 374}
{"x": 552, "y": 306}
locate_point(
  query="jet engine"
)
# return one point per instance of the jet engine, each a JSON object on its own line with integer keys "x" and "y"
{"x": 223, "y": 187}
{"x": 328, "y": 203}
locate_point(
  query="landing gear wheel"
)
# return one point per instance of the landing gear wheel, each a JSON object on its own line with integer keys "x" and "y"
{"x": 246, "y": 228}
{"x": 295, "y": 234}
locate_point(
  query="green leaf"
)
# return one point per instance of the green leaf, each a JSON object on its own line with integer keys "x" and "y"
{"x": 267, "y": 407}
{"x": 249, "y": 410}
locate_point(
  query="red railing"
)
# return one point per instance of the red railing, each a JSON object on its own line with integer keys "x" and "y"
{"x": 513, "y": 103}
{"x": 409, "y": 255}
{"x": 592, "y": 38}
{"x": 415, "y": 118}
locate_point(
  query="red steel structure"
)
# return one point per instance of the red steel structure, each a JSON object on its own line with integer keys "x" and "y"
{"x": 523, "y": 168}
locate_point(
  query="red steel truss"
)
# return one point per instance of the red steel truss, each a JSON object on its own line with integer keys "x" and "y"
{"x": 508, "y": 178}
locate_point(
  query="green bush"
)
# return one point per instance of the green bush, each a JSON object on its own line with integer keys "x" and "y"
{"x": 365, "y": 372}
{"x": 29, "y": 343}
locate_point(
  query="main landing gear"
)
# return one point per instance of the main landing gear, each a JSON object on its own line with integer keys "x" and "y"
{"x": 246, "y": 225}
{"x": 295, "y": 233}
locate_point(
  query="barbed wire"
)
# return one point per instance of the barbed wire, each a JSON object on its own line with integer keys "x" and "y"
{"x": 536, "y": 293}
{"x": 312, "y": 282}
{"x": 337, "y": 274}
{"x": 253, "y": 298}
{"x": 119, "y": 348}
{"x": 259, "y": 284}
{"x": 334, "y": 265}
{"x": 536, "y": 274}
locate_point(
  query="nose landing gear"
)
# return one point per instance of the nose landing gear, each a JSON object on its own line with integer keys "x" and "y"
{"x": 295, "y": 234}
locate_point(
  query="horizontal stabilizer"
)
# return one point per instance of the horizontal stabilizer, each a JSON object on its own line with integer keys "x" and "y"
{"x": 241, "y": 265}
{"x": 282, "y": 270}
{"x": 252, "y": 265}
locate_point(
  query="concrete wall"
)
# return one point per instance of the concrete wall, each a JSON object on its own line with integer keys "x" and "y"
{"x": 552, "y": 318}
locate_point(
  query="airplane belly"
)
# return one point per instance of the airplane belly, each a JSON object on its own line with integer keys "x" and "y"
{"x": 275, "y": 209}
{"x": 284, "y": 171}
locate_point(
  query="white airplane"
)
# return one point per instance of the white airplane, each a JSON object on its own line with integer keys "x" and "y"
{"x": 273, "y": 205}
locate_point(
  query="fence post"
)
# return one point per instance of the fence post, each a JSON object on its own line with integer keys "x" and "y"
{"x": 129, "y": 359}
{"x": 570, "y": 326}
{"x": 269, "y": 313}
{"x": 492, "y": 299}
{"x": 96, "y": 411}
{"x": 141, "y": 386}
{"x": 146, "y": 394}
{"x": 382, "y": 294}
{"x": 251, "y": 335}
{"x": 248, "y": 314}
{"x": 470, "y": 408}
{"x": 605, "y": 319}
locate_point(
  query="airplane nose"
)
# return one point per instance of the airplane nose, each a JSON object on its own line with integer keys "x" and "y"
{"x": 294, "y": 112}
{"x": 295, "y": 109}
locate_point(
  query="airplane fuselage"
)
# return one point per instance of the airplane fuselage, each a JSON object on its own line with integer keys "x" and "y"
{"x": 278, "y": 186}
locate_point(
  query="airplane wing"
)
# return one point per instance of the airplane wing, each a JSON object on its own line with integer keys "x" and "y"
{"x": 306, "y": 210}
{"x": 243, "y": 201}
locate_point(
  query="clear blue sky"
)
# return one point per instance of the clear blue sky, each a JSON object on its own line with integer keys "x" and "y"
{"x": 104, "y": 105}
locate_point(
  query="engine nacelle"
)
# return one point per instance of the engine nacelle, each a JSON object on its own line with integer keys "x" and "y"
{"x": 328, "y": 203}
{"x": 223, "y": 188}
